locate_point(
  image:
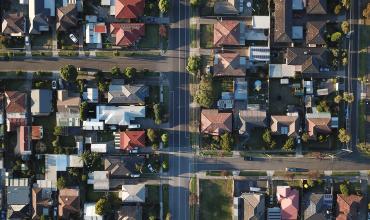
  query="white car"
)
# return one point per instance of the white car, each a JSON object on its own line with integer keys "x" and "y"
{"x": 27, "y": 40}
{"x": 151, "y": 168}
{"x": 135, "y": 175}
{"x": 73, "y": 38}
{"x": 54, "y": 84}
{"x": 134, "y": 151}
{"x": 134, "y": 126}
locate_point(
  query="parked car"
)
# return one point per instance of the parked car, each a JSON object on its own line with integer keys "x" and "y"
{"x": 73, "y": 38}
{"x": 293, "y": 169}
{"x": 60, "y": 83}
{"x": 248, "y": 158}
{"x": 134, "y": 126}
{"x": 134, "y": 151}
{"x": 135, "y": 175}
{"x": 54, "y": 84}
{"x": 150, "y": 167}
{"x": 27, "y": 40}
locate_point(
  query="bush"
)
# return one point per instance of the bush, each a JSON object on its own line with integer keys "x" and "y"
{"x": 164, "y": 138}
{"x": 152, "y": 135}
{"x": 61, "y": 183}
{"x": 69, "y": 73}
{"x": 163, "y": 5}
{"x": 58, "y": 131}
{"x": 343, "y": 136}
{"x": 345, "y": 27}
{"x": 289, "y": 144}
{"x": 336, "y": 36}
{"x": 102, "y": 206}
{"x": 83, "y": 110}
{"x": 348, "y": 97}
{"x": 226, "y": 142}
{"x": 204, "y": 95}
{"x": 337, "y": 99}
{"x": 129, "y": 72}
{"x": 346, "y": 3}
{"x": 157, "y": 114}
{"x": 266, "y": 136}
{"x": 305, "y": 137}
{"x": 116, "y": 72}
{"x": 194, "y": 64}
{"x": 337, "y": 9}
{"x": 344, "y": 189}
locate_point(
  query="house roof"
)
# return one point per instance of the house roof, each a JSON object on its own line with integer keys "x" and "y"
{"x": 119, "y": 115}
{"x": 25, "y": 142}
{"x": 348, "y": 206}
{"x": 68, "y": 102}
{"x": 16, "y": 102}
{"x": 224, "y": 8}
{"x": 226, "y": 32}
{"x": 289, "y": 202}
{"x": 90, "y": 212}
{"x": 318, "y": 123}
{"x": 69, "y": 202}
{"x": 66, "y": 17}
{"x": 315, "y": 206}
{"x": 129, "y": 213}
{"x": 41, "y": 101}
{"x": 283, "y": 21}
{"x": 37, "y": 132}
{"x": 128, "y": 94}
{"x": 101, "y": 180}
{"x": 315, "y": 33}
{"x": 129, "y": 9}
{"x": 41, "y": 199}
{"x": 120, "y": 167}
{"x": 214, "y": 122}
{"x": 100, "y": 28}
{"x": 228, "y": 64}
{"x": 132, "y": 139}
{"x": 284, "y": 124}
{"x": 254, "y": 205}
{"x": 310, "y": 59}
{"x": 133, "y": 193}
{"x": 13, "y": 23}
{"x": 252, "y": 117}
{"x": 316, "y": 7}
{"x": 127, "y": 34}
{"x": 18, "y": 195}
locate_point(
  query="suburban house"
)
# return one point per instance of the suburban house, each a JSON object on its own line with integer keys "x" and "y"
{"x": 289, "y": 202}
{"x": 26, "y": 135}
{"x": 285, "y": 125}
{"x": 121, "y": 167}
{"x": 42, "y": 202}
{"x": 130, "y": 212}
{"x": 348, "y": 207}
{"x": 128, "y": 94}
{"x": 229, "y": 64}
{"x": 99, "y": 180}
{"x": 316, "y": 7}
{"x": 39, "y": 12}
{"x": 119, "y": 115}
{"x": 41, "y": 102}
{"x": 253, "y": 206}
{"x": 307, "y": 60}
{"x": 68, "y": 106}
{"x": 69, "y": 203}
{"x": 127, "y": 34}
{"x": 316, "y": 206}
{"x": 66, "y": 18}
{"x": 228, "y": 33}
{"x": 94, "y": 31}
{"x": 129, "y": 9}
{"x": 90, "y": 213}
{"x": 91, "y": 95}
{"x": 14, "y": 24}
{"x": 215, "y": 123}
{"x": 18, "y": 198}
{"x": 318, "y": 123}
{"x": 129, "y": 140}
{"x": 315, "y": 35}
{"x": 252, "y": 117}
{"x": 133, "y": 193}
{"x": 16, "y": 109}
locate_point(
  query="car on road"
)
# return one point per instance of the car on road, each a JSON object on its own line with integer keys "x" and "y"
{"x": 294, "y": 169}
{"x": 248, "y": 158}
{"x": 54, "y": 84}
{"x": 150, "y": 167}
{"x": 73, "y": 38}
{"x": 27, "y": 40}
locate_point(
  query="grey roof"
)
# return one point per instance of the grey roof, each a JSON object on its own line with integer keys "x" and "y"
{"x": 41, "y": 101}
{"x": 129, "y": 213}
{"x": 40, "y": 20}
{"x": 254, "y": 206}
{"x": 13, "y": 23}
{"x": 66, "y": 17}
{"x": 253, "y": 117}
{"x": 315, "y": 205}
{"x": 18, "y": 195}
{"x": 122, "y": 166}
{"x": 127, "y": 94}
{"x": 311, "y": 59}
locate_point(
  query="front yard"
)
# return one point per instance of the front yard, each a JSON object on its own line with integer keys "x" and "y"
{"x": 206, "y": 35}
{"x": 152, "y": 202}
{"x": 151, "y": 38}
{"x": 216, "y": 199}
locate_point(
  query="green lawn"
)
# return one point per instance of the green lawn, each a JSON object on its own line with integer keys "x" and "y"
{"x": 151, "y": 38}
{"x": 364, "y": 36}
{"x": 361, "y": 121}
{"x": 43, "y": 40}
{"x": 363, "y": 60}
{"x": 151, "y": 206}
{"x": 255, "y": 141}
{"x": 206, "y": 35}
{"x": 193, "y": 35}
{"x": 216, "y": 199}
{"x": 222, "y": 85}
{"x": 280, "y": 97}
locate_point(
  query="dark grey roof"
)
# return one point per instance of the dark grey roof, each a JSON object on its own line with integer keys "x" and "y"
{"x": 18, "y": 195}
{"x": 41, "y": 101}
{"x": 67, "y": 17}
{"x": 311, "y": 59}
{"x": 315, "y": 32}
{"x": 122, "y": 166}
{"x": 315, "y": 206}
{"x": 127, "y": 94}
{"x": 283, "y": 21}
{"x": 13, "y": 23}
{"x": 39, "y": 21}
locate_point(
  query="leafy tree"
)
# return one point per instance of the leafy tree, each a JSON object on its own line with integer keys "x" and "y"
{"x": 364, "y": 148}
{"x": 204, "y": 95}
{"x": 337, "y": 9}
{"x": 310, "y": 183}
{"x": 164, "y": 5}
{"x": 165, "y": 165}
{"x": 157, "y": 113}
{"x": 266, "y": 136}
{"x": 345, "y": 27}
{"x": 344, "y": 61}
{"x": 335, "y": 52}
{"x": 164, "y": 138}
{"x": 152, "y": 217}
{"x": 152, "y": 135}
{"x": 168, "y": 216}
{"x": 84, "y": 178}
{"x": 272, "y": 144}
{"x": 346, "y": 3}
{"x": 129, "y": 72}
{"x": 348, "y": 97}
{"x": 194, "y": 64}
{"x": 343, "y": 136}
{"x": 91, "y": 160}
{"x": 73, "y": 171}
{"x": 344, "y": 189}
{"x": 116, "y": 72}
{"x": 323, "y": 106}
{"x": 366, "y": 11}
{"x": 103, "y": 86}
{"x": 102, "y": 206}
{"x": 194, "y": 3}
{"x": 81, "y": 85}
{"x": 289, "y": 144}
{"x": 336, "y": 36}
{"x": 305, "y": 137}
{"x": 58, "y": 130}
{"x": 337, "y": 99}
{"x": 69, "y": 73}
{"x": 226, "y": 142}
{"x": 83, "y": 110}
{"x": 61, "y": 183}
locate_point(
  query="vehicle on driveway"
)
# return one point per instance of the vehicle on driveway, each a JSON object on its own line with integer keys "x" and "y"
{"x": 73, "y": 38}
{"x": 27, "y": 40}
{"x": 150, "y": 167}
{"x": 134, "y": 151}
{"x": 54, "y": 84}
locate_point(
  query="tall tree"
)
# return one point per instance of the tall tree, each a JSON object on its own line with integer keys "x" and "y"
{"x": 69, "y": 73}
{"x": 204, "y": 95}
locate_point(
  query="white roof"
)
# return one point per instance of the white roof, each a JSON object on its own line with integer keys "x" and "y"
{"x": 261, "y": 22}
{"x": 107, "y": 2}
{"x": 89, "y": 212}
{"x": 119, "y": 115}
{"x": 91, "y": 36}
{"x": 281, "y": 70}
{"x": 100, "y": 148}
{"x": 93, "y": 124}
{"x": 259, "y": 53}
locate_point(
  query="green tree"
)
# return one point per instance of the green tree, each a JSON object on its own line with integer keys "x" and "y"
{"x": 164, "y": 138}
{"x": 348, "y": 97}
{"x": 272, "y": 144}
{"x": 194, "y": 3}
{"x": 194, "y": 64}
{"x": 366, "y": 11}
{"x": 310, "y": 183}
{"x": 335, "y": 52}
{"x": 157, "y": 113}
{"x": 58, "y": 130}
{"x": 42, "y": 217}
{"x": 344, "y": 189}
{"x": 346, "y": 3}
{"x": 102, "y": 206}
{"x": 84, "y": 178}
{"x": 91, "y": 160}
{"x": 336, "y": 36}
{"x": 204, "y": 95}
{"x": 165, "y": 165}
{"x": 61, "y": 183}
{"x": 344, "y": 61}
{"x": 337, "y": 99}
{"x": 226, "y": 142}
{"x": 103, "y": 86}
{"x": 69, "y": 73}
{"x": 345, "y": 27}
{"x": 152, "y": 135}
{"x": 152, "y": 217}
{"x": 164, "y": 5}
{"x": 116, "y": 72}
{"x": 343, "y": 136}
{"x": 168, "y": 216}
{"x": 266, "y": 136}
{"x": 323, "y": 106}
{"x": 129, "y": 72}
{"x": 305, "y": 137}
{"x": 289, "y": 144}
{"x": 83, "y": 110}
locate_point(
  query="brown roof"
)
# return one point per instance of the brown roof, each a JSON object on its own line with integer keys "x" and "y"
{"x": 24, "y": 139}
{"x": 315, "y": 33}
{"x": 310, "y": 59}
{"x": 16, "y": 102}
{"x": 318, "y": 125}
{"x": 69, "y": 202}
{"x": 127, "y": 9}
{"x": 284, "y": 124}
{"x": 67, "y": 101}
{"x": 13, "y": 23}
{"x": 283, "y": 21}
{"x": 348, "y": 206}
{"x": 215, "y": 123}
{"x": 316, "y": 7}
{"x": 127, "y": 34}
{"x": 66, "y": 17}
{"x": 228, "y": 64}
{"x": 226, "y": 33}
{"x": 41, "y": 199}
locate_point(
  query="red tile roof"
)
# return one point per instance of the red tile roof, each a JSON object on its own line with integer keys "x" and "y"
{"x": 228, "y": 65}
{"x": 215, "y": 123}
{"x": 100, "y": 28}
{"x": 69, "y": 202}
{"x": 348, "y": 206}
{"x": 129, "y": 9}
{"x": 24, "y": 139}
{"x": 289, "y": 202}
{"x": 36, "y": 132}
{"x": 127, "y": 34}
{"x": 13, "y": 123}
{"x": 16, "y": 102}
{"x": 132, "y": 139}
{"x": 318, "y": 125}
{"x": 226, "y": 33}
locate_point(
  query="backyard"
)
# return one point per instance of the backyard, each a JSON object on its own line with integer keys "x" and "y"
{"x": 215, "y": 199}
{"x": 48, "y": 124}
{"x": 280, "y": 97}
{"x": 206, "y": 35}
{"x": 151, "y": 38}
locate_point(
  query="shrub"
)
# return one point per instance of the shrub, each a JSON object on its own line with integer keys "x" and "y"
{"x": 344, "y": 189}
{"x": 337, "y": 9}
{"x": 345, "y": 27}
{"x": 336, "y": 36}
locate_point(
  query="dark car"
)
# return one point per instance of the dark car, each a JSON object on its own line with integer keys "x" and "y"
{"x": 248, "y": 158}
{"x": 293, "y": 169}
